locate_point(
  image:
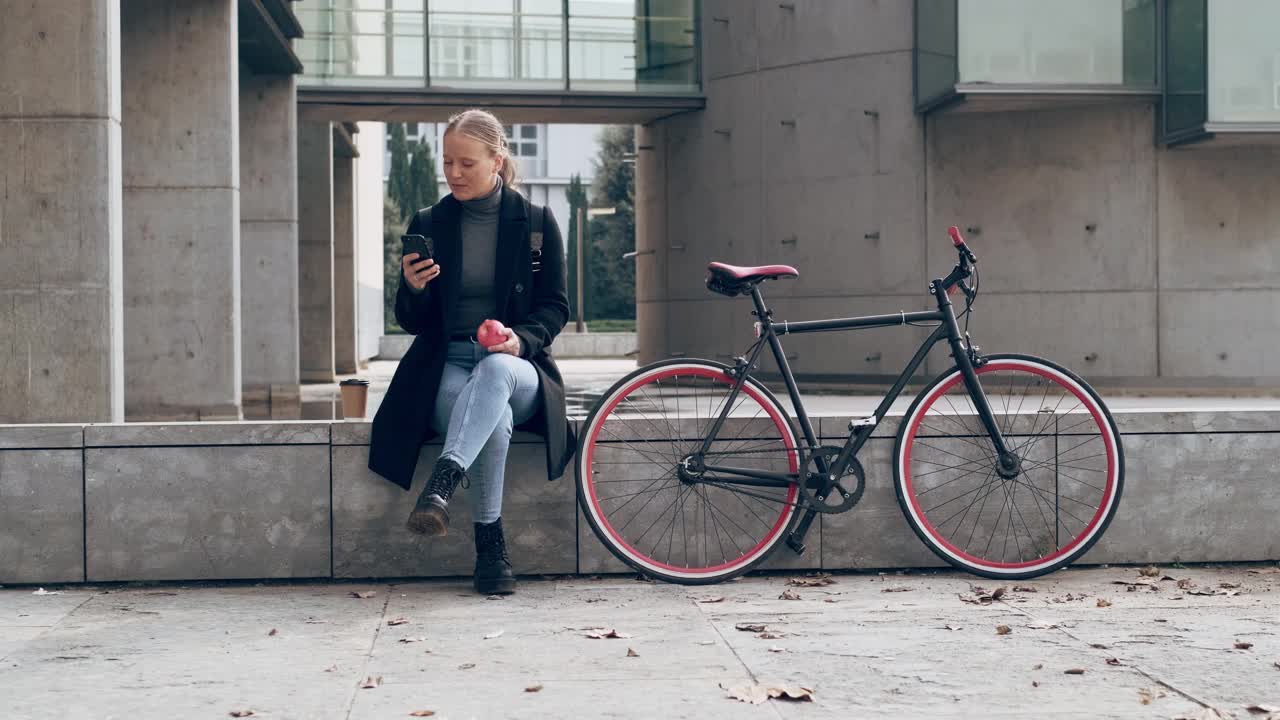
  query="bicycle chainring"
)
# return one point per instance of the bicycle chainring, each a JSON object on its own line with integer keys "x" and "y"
{"x": 848, "y": 488}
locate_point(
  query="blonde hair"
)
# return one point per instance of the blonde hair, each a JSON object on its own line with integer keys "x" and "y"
{"x": 483, "y": 126}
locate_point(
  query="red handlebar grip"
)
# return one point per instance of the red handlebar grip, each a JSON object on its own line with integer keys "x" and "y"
{"x": 956, "y": 237}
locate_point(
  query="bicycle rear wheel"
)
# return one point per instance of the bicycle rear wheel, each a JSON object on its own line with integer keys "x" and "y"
{"x": 1057, "y": 505}
{"x": 685, "y": 527}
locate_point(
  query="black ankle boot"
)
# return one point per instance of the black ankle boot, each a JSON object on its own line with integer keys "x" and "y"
{"x": 493, "y": 567}
{"x": 430, "y": 515}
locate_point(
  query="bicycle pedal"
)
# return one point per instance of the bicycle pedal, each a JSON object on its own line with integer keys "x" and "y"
{"x": 862, "y": 422}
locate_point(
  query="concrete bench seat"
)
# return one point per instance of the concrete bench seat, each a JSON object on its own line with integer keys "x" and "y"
{"x": 256, "y": 500}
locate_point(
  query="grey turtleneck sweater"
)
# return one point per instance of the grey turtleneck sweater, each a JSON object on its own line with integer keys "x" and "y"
{"x": 479, "y": 258}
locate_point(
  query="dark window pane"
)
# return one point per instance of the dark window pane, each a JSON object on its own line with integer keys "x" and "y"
{"x": 1185, "y": 108}
{"x": 936, "y": 65}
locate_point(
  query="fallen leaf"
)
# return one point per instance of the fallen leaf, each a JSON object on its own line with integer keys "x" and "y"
{"x": 371, "y": 682}
{"x": 997, "y": 593}
{"x": 533, "y": 688}
{"x": 1186, "y": 583}
{"x": 494, "y": 635}
{"x": 412, "y": 639}
{"x": 789, "y": 595}
{"x": 1003, "y": 629}
{"x": 1098, "y": 646}
{"x": 750, "y": 627}
{"x": 1228, "y": 585}
{"x": 952, "y": 627}
{"x": 331, "y": 668}
{"x": 1263, "y": 709}
{"x": 466, "y": 666}
{"x": 590, "y": 600}
{"x": 791, "y": 692}
{"x": 42, "y": 591}
{"x": 1277, "y": 664}
{"x": 716, "y": 599}
{"x": 776, "y": 649}
{"x": 601, "y": 633}
{"x": 1038, "y": 666}
{"x": 767, "y": 635}
{"x": 1240, "y": 645}
{"x": 1074, "y": 671}
{"x": 632, "y": 653}
{"x": 1024, "y": 588}
{"x": 273, "y": 632}
{"x": 897, "y": 589}
{"x": 398, "y": 621}
{"x": 758, "y": 694}
{"x": 364, "y": 595}
{"x": 1103, "y": 602}
{"x": 811, "y": 581}
{"x": 830, "y": 600}
{"x": 1035, "y": 683}
{"x": 1146, "y": 696}
{"x": 241, "y": 713}
{"x": 1114, "y": 661}
{"x": 706, "y": 642}
{"x": 422, "y": 713}
{"x": 1160, "y": 620}
{"x": 1149, "y": 571}
{"x": 1042, "y": 626}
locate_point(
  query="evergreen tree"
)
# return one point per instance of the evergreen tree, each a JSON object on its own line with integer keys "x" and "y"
{"x": 398, "y": 180}
{"x": 422, "y": 188}
{"x": 611, "y": 280}
{"x": 577, "y": 196}
{"x": 392, "y": 228}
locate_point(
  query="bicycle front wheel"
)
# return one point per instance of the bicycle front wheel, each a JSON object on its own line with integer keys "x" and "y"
{"x": 645, "y": 503}
{"x": 1051, "y": 511}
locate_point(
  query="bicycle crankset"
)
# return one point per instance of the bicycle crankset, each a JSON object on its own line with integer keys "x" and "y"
{"x": 844, "y": 494}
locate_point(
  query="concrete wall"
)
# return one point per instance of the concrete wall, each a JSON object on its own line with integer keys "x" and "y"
{"x": 1129, "y": 263}
{"x": 369, "y": 191}
{"x": 216, "y": 501}
{"x": 61, "y": 301}
{"x": 315, "y": 251}
{"x": 181, "y": 209}
{"x": 269, "y": 243}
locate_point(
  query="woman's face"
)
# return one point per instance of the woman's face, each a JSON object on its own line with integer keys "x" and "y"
{"x": 469, "y": 166}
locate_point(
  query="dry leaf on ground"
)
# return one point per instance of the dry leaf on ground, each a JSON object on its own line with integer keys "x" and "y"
{"x": 1114, "y": 661}
{"x": 1229, "y": 585}
{"x": 1098, "y": 646}
{"x": 494, "y": 635}
{"x": 750, "y": 627}
{"x": 364, "y": 594}
{"x": 331, "y": 668}
{"x": 776, "y": 649}
{"x": 1146, "y": 696}
{"x": 1258, "y": 709}
{"x": 1003, "y": 629}
{"x": 1103, "y": 602}
{"x": 601, "y": 633}
{"x": 241, "y": 713}
{"x": 952, "y": 627}
{"x": 412, "y": 639}
{"x": 770, "y": 635}
{"x": 466, "y": 666}
{"x": 757, "y": 694}
{"x": 273, "y": 632}
{"x": 980, "y": 596}
{"x": 533, "y": 688}
{"x": 422, "y": 713}
{"x": 1241, "y": 645}
{"x": 1186, "y": 583}
{"x": 716, "y": 599}
{"x": 706, "y": 642}
{"x": 1042, "y": 626}
{"x": 398, "y": 621}
{"x": 1038, "y": 666}
{"x": 1149, "y": 571}
{"x": 632, "y": 653}
{"x": 1024, "y": 588}
{"x": 371, "y": 682}
{"x": 897, "y": 589}
{"x": 1074, "y": 671}
{"x": 811, "y": 581}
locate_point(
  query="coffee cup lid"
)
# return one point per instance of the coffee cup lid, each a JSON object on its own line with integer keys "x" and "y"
{"x": 354, "y": 381}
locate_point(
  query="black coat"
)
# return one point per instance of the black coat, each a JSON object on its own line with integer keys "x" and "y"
{"x": 534, "y": 305}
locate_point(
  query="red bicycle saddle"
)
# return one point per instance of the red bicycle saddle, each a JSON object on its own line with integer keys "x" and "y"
{"x": 739, "y": 274}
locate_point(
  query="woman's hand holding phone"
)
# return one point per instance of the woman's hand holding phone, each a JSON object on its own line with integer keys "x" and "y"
{"x": 419, "y": 272}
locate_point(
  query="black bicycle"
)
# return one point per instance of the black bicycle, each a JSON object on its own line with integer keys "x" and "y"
{"x": 1007, "y": 466}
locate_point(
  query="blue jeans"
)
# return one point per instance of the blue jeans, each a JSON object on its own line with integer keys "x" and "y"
{"x": 482, "y": 397}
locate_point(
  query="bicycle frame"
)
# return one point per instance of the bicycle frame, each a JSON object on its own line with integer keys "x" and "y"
{"x": 948, "y": 330}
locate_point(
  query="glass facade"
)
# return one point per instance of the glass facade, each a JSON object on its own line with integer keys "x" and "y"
{"x": 1244, "y": 61}
{"x": 614, "y": 45}
{"x": 1185, "y": 102}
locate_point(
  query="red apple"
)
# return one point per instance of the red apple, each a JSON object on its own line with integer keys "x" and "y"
{"x": 491, "y": 333}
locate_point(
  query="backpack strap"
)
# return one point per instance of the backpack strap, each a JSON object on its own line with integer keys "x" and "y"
{"x": 537, "y": 219}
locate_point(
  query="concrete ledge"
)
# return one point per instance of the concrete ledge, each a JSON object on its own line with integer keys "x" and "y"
{"x": 191, "y": 501}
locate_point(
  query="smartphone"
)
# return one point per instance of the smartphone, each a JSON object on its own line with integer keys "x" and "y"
{"x": 416, "y": 244}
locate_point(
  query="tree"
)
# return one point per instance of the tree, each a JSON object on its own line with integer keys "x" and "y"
{"x": 611, "y": 280}
{"x": 398, "y": 180}
{"x": 422, "y": 190}
{"x": 392, "y": 226}
{"x": 577, "y": 196}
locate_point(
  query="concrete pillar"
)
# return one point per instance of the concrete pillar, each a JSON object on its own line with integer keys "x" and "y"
{"x": 651, "y": 244}
{"x": 269, "y": 245}
{"x": 181, "y": 209}
{"x": 345, "y": 316}
{"x": 315, "y": 251}
{"x": 61, "y": 328}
